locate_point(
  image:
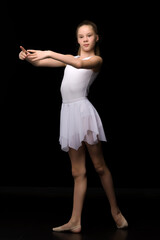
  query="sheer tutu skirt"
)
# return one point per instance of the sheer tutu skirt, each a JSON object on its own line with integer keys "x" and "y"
{"x": 79, "y": 121}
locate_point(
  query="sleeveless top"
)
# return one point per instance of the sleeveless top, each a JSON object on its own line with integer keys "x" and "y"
{"x": 76, "y": 83}
{"x": 79, "y": 120}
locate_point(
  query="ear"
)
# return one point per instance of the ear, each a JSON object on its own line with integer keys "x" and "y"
{"x": 97, "y": 38}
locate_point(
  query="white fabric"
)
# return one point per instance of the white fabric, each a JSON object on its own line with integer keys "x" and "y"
{"x": 76, "y": 83}
{"x": 79, "y": 119}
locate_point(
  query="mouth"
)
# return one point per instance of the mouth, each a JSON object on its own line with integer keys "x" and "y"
{"x": 86, "y": 45}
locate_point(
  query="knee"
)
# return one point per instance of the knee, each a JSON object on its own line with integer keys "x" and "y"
{"x": 78, "y": 173}
{"x": 100, "y": 169}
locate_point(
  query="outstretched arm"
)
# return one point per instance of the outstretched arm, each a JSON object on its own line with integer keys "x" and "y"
{"x": 45, "y": 62}
{"x": 92, "y": 63}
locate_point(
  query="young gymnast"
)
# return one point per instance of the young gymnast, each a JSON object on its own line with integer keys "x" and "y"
{"x": 80, "y": 125}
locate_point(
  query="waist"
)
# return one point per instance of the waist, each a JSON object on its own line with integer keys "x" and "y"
{"x": 74, "y": 100}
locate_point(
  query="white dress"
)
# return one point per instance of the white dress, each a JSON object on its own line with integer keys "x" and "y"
{"x": 79, "y": 120}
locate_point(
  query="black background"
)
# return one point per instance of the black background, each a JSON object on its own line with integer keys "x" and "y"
{"x": 123, "y": 93}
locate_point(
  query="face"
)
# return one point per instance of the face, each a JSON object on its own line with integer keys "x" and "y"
{"x": 87, "y": 38}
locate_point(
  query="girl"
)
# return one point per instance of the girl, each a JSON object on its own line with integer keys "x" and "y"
{"x": 80, "y": 124}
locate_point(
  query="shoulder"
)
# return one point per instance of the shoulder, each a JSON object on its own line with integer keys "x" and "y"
{"x": 97, "y": 59}
{"x": 98, "y": 63}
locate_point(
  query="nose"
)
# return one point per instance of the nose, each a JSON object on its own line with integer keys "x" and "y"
{"x": 85, "y": 39}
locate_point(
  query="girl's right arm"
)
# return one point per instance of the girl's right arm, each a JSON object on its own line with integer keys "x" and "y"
{"x": 47, "y": 62}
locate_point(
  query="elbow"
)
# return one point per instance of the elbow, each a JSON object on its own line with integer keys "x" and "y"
{"x": 78, "y": 64}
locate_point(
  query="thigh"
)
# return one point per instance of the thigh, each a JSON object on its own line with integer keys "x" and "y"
{"x": 96, "y": 154}
{"x": 77, "y": 158}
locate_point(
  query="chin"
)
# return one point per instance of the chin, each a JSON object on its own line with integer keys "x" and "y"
{"x": 87, "y": 49}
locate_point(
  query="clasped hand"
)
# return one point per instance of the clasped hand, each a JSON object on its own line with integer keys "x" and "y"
{"x": 33, "y": 55}
{"x": 36, "y": 55}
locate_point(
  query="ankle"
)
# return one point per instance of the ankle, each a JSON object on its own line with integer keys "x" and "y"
{"x": 115, "y": 211}
{"x": 75, "y": 221}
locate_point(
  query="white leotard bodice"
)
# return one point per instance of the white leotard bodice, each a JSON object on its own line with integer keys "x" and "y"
{"x": 76, "y": 82}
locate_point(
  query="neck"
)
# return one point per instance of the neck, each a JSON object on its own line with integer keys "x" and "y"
{"x": 86, "y": 54}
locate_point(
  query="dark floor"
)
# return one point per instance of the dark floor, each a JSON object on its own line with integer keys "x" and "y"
{"x": 30, "y": 214}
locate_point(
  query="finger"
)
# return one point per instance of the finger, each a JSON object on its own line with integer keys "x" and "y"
{"x": 33, "y": 58}
{"x": 33, "y": 55}
{"x": 23, "y": 55}
{"x": 31, "y": 50}
{"x": 23, "y": 49}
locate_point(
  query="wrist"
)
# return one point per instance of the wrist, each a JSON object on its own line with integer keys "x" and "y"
{"x": 49, "y": 54}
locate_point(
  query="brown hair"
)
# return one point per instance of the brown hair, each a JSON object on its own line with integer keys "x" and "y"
{"x": 94, "y": 26}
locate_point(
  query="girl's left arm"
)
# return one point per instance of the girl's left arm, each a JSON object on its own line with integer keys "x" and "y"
{"x": 92, "y": 63}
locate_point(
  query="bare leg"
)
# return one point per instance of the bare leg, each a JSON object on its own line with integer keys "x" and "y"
{"x": 80, "y": 185}
{"x": 96, "y": 155}
{"x": 80, "y": 181}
